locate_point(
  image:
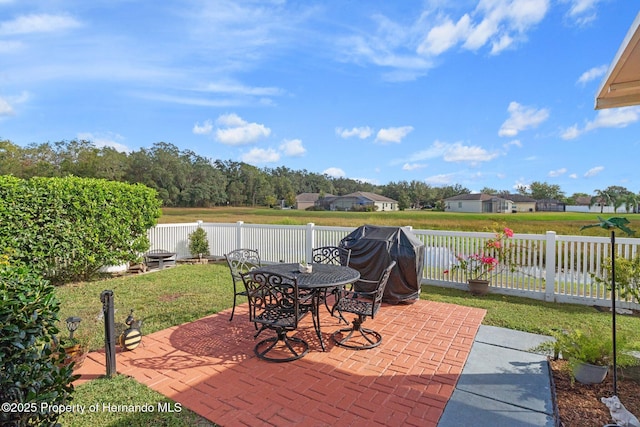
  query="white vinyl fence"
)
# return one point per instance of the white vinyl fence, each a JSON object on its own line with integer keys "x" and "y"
{"x": 550, "y": 267}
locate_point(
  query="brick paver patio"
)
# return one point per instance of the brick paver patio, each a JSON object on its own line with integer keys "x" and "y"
{"x": 209, "y": 367}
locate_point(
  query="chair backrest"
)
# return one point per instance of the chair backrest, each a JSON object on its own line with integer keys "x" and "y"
{"x": 331, "y": 255}
{"x": 241, "y": 261}
{"x": 382, "y": 284}
{"x": 273, "y": 299}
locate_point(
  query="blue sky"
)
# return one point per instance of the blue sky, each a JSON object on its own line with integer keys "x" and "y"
{"x": 488, "y": 93}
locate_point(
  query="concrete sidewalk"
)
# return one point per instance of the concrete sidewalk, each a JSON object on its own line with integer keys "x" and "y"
{"x": 502, "y": 384}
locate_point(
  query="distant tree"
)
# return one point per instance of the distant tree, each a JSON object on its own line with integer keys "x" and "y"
{"x": 543, "y": 190}
{"x": 572, "y": 200}
{"x": 488, "y": 190}
{"x": 601, "y": 197}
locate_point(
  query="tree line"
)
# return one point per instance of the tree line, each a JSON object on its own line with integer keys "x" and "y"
{"x": 183, "y": 178}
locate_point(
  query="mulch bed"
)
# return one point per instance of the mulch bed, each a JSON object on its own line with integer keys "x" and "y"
{"x": 579, "y": 405}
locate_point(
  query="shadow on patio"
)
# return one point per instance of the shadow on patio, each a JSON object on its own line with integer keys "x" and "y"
{"x": 209, "y": 367}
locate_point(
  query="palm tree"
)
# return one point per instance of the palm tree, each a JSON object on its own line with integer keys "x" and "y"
{"x": 631, "y": 202}
{"x": 602, "y": 197}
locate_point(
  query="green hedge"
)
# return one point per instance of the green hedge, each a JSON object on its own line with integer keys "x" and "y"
{"x": 32, "y": 380}
{"x": 66, "y": 229}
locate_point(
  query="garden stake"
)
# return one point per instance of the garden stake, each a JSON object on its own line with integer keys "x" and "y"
{"x": 612, "y": 224}
{"x": 109, "y": 332}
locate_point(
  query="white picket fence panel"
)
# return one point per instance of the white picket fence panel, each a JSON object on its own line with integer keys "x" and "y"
{"x": 551, "y": 267}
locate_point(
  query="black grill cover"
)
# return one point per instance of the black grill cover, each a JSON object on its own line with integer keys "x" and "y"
{"x": 372, "y": 250}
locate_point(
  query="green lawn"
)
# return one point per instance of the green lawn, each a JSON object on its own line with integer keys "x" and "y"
{"x": 188, "y": 292}
{"x": 566, "y": 223}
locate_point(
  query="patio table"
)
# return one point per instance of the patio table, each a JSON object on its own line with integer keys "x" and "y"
{"x": 322, "y": 277}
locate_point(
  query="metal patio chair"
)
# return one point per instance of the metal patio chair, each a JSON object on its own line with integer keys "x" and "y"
{"x": 274, "y": 303}
{"x": 241, "y": 261}
{"x": 364, "y": 304}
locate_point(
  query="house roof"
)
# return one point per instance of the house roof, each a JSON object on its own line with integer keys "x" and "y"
{"x": 518, "y": 198}
{"x": 474, "y": 196}
{"x": 621, "y": 85}
{"x": 371, "y": 196}
{"x": 310, "y": 197}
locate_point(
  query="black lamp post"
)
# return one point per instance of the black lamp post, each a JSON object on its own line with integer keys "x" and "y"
{"x": 72, "y": 325}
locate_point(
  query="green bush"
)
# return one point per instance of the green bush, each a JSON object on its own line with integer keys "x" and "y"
{"x": 198, "y": 243}
{"x": 32, "y": 379}
{"x": 66, "y": 229}
{"x": 627, "y": 277}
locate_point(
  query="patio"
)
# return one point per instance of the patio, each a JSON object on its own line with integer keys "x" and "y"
{"x": 209, "y": 367}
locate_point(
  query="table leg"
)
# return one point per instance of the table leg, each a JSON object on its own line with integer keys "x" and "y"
{"x": 316, "y": 316}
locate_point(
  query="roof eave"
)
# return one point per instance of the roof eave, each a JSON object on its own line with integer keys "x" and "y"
{"x": 613, "y": 92}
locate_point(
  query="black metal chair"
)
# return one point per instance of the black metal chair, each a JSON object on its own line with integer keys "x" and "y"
{"x": 364, "y": 303}
{"x": 330, "y": 255}
{"x": 241, "y": 261}
{"x": 274, "y": 303}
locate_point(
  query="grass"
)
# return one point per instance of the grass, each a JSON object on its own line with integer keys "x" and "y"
{"x": 188, "y": 292}
{"x": 123, "y": 402}
{"x": 565, "y": 223}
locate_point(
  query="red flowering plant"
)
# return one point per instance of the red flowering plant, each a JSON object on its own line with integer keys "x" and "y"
{"x": 494, "y": 257}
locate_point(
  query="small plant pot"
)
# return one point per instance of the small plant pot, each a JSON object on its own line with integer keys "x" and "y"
{"x": 478, "y": 287}
{"x": 305, "y": 268}
{"x": 586, "y": 373}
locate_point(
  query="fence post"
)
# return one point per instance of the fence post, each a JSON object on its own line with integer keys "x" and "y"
{"x": 550, "y": 266}
{"x": 239, "y": 238}
{"x": 310, "y": 242}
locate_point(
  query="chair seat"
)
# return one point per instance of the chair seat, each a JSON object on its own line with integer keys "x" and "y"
{"x": 355, "y": 306}
{"x": 277, "y": 318}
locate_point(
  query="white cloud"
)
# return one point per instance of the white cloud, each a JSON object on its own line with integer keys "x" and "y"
{"x": 557, "y": 172}
{"x": 260, "y": 155}
{"x": 205, "y": 129}
{"x": 334, "y": 172}
{"x": 413, "y": 166}
{"x": 108, "y": 139}
{"x": 614, "y": 118}
{"x": 521, "y": 118}
{"x": 239, "y": 131}
{"x": 38, "y": 23}
{"x": 360, "y": 132}
{"x": 571, "y": 132}
{"x": 573, "y": 176}
{"x": 292, "y": 148}
{"x": 395, "y": 134}
{"x": 441, "y": 179}
{"x": 582, "y": 11}
{"x": 7, "y": 104}
{"x": 514, "y": 143}
{"x": 454, "y": 152}
{"x": 233, "y": 87}
{"x": 592, "y": 74}
{"x": 611, "y": 118}
{"x": 593, "y": 171}
{"x": 457, "y": 152}
{"x": 446, "y": 35}
{"x": 499, "y": 23}
{"x": 5, "y": 108}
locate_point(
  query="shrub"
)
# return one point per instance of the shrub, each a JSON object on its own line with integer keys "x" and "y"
{"x": 31, "y": 374}
{"x": 67, "y": 228}
{"x": 198, "y": 243}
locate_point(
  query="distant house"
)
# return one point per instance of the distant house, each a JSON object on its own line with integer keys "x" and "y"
{"x": 307, "y": 200}
{"x": 356, "y": 201}
{"x": 521, "y": 203}
{"x": 479, "y": 203}
{"x": 583, "y": 204}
